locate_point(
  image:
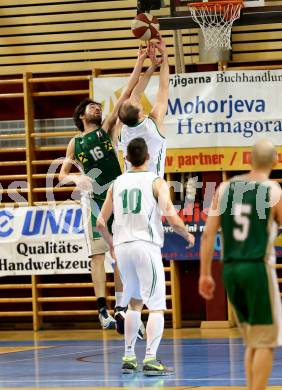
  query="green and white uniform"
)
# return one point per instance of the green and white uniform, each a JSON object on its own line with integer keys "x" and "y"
{"x": 156, "y": 143}
{"x": 138, "y": 237}
{"x": 97, "y": 157}
{"x": 248, "y": 232}
{"x": 136, "y": 212}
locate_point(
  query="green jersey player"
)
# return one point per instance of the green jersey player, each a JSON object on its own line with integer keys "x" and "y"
{"x": 249, "y": 210}
{"x": 94, "y": 151}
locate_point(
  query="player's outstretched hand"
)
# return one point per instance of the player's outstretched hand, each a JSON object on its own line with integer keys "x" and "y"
{"x": 151, "y": 50}
{"x": 206, "y": 287}
{"x": 160, "y": 45}
{"x": 84, "y": 183}
{"x": 142, "y": 53}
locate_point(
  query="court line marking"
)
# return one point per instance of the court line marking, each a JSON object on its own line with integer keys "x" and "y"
{"x": 101, "y": 350}
{"x": 108, "y": 349}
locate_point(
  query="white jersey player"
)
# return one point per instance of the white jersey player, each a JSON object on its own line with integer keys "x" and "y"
{"x": 151, "y": 128}
{"x": 138, "y": 198}
{"x": 139, "y": 216}
{"x": 147, "y": 129}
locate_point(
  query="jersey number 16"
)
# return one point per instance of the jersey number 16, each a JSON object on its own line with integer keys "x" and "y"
{"x": 97, "y": 153}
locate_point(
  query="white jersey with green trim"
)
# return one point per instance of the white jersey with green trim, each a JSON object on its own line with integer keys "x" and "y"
{"x": 156, "y": 143}
{"x": 136, "y": 212}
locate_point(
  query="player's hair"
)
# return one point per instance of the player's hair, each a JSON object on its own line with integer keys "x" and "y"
{"x": 264, "y": 154}
{"x": 80, "y": 110}
{"x": 128, "y": 114}
{"x": 137, "y": 151}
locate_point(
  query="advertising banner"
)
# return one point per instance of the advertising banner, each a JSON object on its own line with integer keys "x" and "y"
{"x": 211, "y": 159}
{"x": 211, "y": 115}
{"x": 44, "y": 240}
{"x": 175, "y": 247}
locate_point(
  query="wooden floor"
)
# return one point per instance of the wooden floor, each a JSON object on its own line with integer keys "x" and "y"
{"x": 206, "y": 359}
{"x": 89, "y": 334}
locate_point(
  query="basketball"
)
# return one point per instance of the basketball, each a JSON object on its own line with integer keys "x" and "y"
{"x": 145, "y": 27}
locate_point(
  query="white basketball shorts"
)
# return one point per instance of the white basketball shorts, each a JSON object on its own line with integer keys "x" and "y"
{"x": 142, "y": 273}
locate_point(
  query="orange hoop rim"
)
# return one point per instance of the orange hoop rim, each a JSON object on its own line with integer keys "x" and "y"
{"x": 212, "y": 4}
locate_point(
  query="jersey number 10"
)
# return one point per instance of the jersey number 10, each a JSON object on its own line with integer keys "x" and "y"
{"x": 131, "y": 201}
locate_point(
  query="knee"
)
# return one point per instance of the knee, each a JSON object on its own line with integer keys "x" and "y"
{"x": 98, "y": 259}
{"x": 135, "y": 304}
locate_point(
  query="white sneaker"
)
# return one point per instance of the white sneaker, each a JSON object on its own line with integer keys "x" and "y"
{"x": 106, "y": 320}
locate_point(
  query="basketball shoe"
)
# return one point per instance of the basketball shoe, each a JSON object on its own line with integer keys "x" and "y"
{"x": 154, "y": 367}
{"x": 106, "y": 320}
{"x": 129, "y": 365}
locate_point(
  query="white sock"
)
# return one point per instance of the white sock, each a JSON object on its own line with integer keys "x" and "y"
{"x": 131, "y": 326}
{"x": 118, "y": 296}
{"x": 154, "y": 332}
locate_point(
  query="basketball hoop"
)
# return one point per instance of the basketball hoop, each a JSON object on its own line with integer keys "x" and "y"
{"x": 215, "y": 19}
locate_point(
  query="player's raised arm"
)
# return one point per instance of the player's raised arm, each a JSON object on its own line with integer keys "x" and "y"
{"x": 161, "y": 192}
{"x": 110, "y": 121}
{"x": 206, "y": 282}
{"x": 160, "y": 107}
{"x": 140, "y": 87}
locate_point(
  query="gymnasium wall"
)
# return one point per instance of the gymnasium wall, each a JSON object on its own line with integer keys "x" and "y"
{"x": 48, "y": 50}
{"x": 57, "y": 36}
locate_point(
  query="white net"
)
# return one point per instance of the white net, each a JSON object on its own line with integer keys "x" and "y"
{"x": 215, "y": 21}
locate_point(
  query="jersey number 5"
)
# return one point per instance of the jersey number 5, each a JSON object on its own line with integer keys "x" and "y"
{"x": 131, "y": 201}
{"x": 242, "y": 219}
